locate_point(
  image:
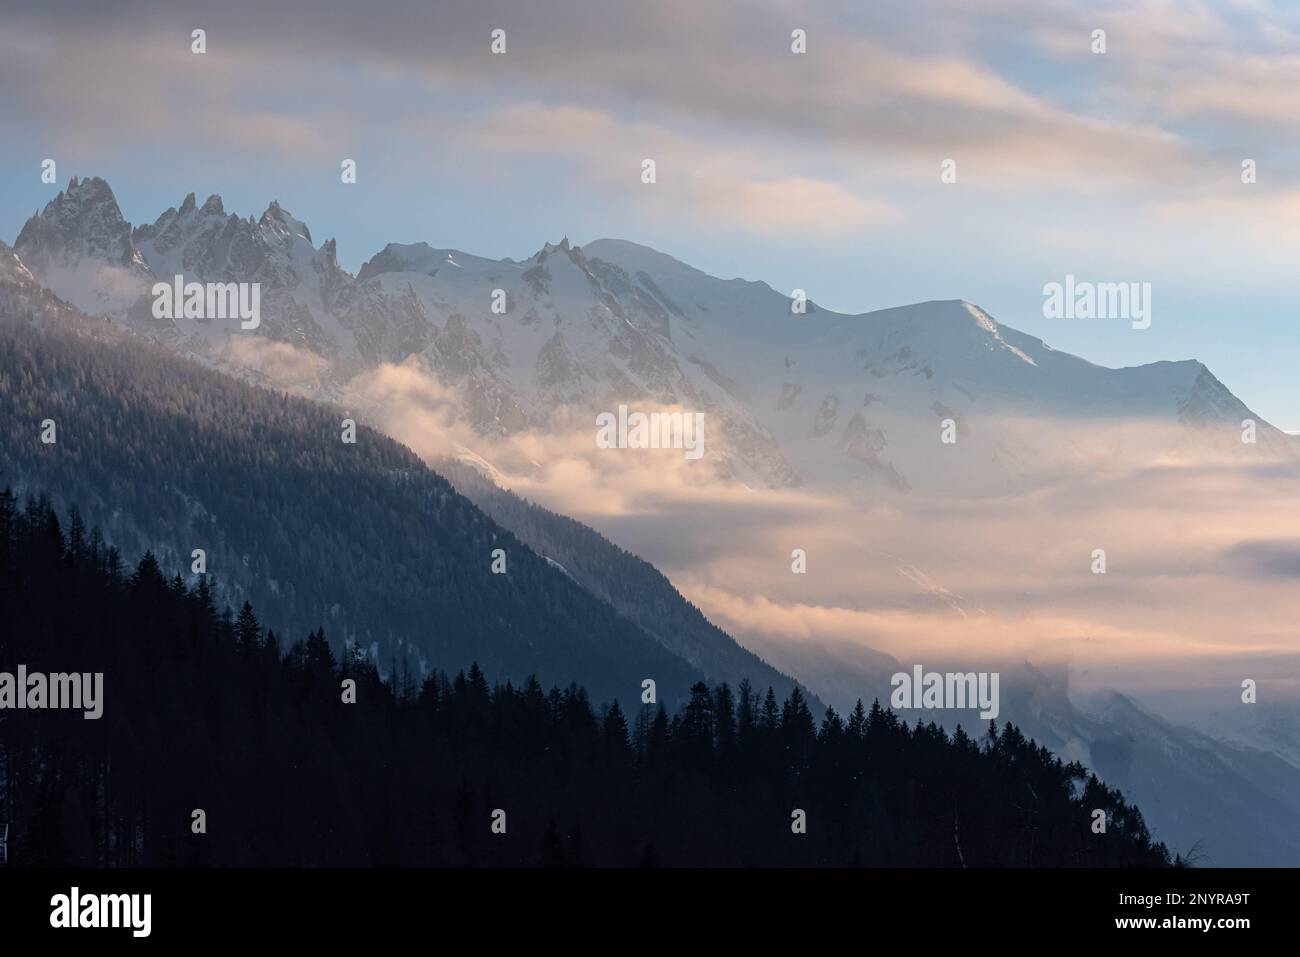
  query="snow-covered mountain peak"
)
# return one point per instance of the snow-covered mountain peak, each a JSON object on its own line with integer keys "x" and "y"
{"x": 428, "y": 260}
{"x": 399, "y": 257}
{"x": 81, "y": 222}
{"x": 635, "y": 257}
{"x": 80, "y": 246}
{"x": 280, "y": 221}
{"x": 88, "y": 191}
{"x": 945, "y": 329}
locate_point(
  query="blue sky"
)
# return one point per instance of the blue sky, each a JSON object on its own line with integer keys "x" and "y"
{"x": 818, "y": 170}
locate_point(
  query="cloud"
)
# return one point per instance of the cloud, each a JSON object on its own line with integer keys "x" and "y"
{"x": 81, "y": 93}
{"x": 788, "y": 206}
{"x": 863, "y": 85}
{"x": 281, "y": 364}
{"x": 1277, "y": 558}
{"x": 558, "y": 460}
{"x": 714, "y": 185}
{"x": 1057, "y": 149}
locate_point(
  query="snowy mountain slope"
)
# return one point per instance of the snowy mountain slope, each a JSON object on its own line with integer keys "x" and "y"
{"x": 575, "y": 333}
{"x": 864, "y": 397}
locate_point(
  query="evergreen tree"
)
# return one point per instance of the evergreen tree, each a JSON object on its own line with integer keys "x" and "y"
{"x": 857, "y": 726}
{"x": 724, "y": 718}
{"x": 614, "y": 734}
{"x": 247, "y": 630}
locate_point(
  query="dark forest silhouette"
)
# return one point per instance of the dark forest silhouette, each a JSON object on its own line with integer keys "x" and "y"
{"x": 204, "y": 709}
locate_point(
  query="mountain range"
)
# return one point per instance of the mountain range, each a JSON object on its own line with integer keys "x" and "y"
{"x": 793, "y": 399}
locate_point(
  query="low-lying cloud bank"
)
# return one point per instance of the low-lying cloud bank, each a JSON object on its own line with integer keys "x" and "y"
{"x": 1199, "y": 552}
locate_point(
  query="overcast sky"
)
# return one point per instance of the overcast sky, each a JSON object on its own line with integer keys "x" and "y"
{"x": 819, "y": 171}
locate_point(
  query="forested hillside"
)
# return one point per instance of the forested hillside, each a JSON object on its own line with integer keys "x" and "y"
{"x": 167, "y": 455}
{"x": 211, "y": 712}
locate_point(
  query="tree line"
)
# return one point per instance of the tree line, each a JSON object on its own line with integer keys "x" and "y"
{"x": 209, "y": 710}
